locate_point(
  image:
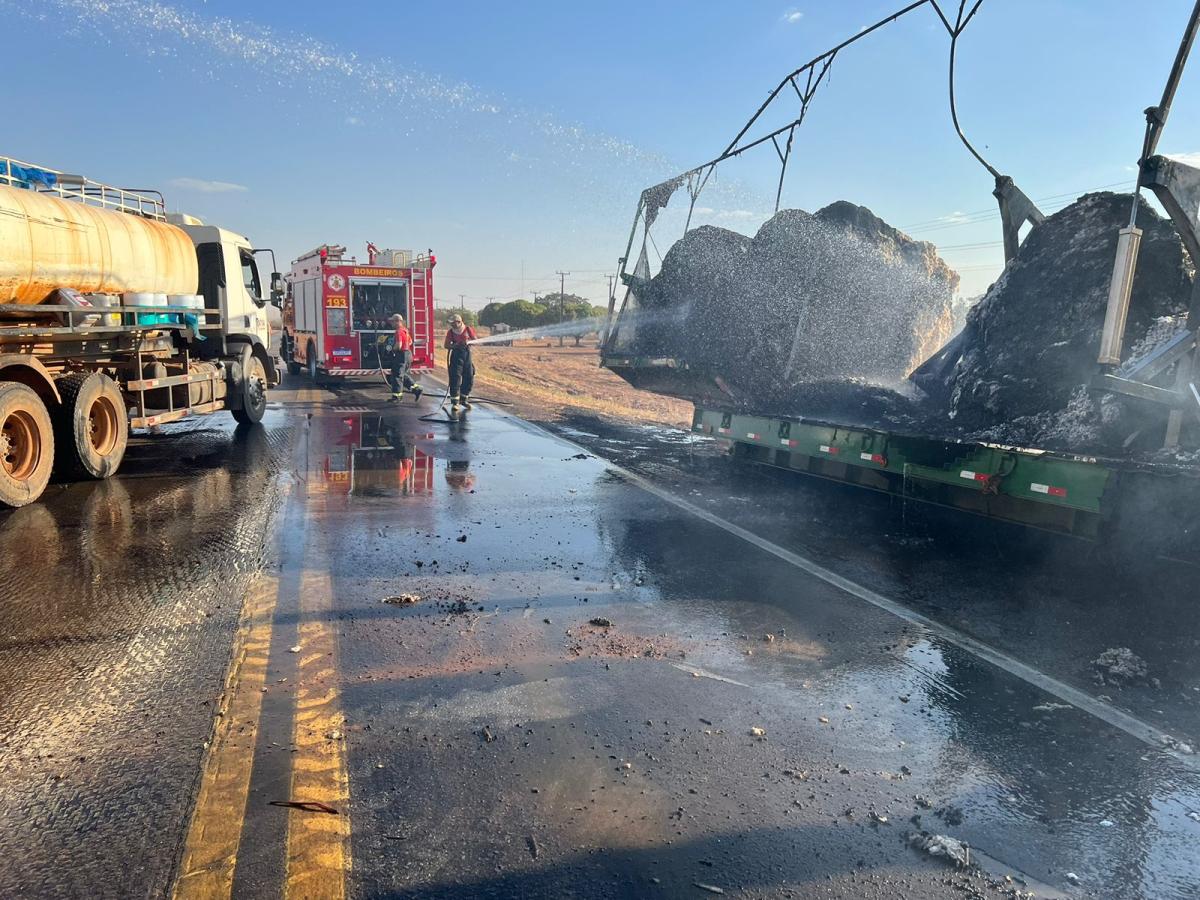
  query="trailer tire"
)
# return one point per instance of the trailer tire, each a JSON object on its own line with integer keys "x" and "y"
{"x": 91, "y": 426}
{"x": 253, "y": 387}
{"x": 26, "y": 445}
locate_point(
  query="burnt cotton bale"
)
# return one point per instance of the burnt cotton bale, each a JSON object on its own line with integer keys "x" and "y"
{"x": 848, "y": 296}
{"x": 838, "y": 294}
{"x": 703, "y": 279}
{"x": 1033, "y": 339}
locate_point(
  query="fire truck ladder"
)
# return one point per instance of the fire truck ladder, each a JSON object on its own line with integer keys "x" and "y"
{"x": 420, "y": 308}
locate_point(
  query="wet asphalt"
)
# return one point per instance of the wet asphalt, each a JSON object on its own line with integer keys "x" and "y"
{"x": 728, "y": 723}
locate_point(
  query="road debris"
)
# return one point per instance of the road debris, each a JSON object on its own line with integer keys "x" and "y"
{"x": 600, "y": 622}
{"x": 708, "y": 888}
{"x": 532, "y": 844}
{"x": 306, "y": 806}
{"x": 295, "y": 649}
{"x": 1072, "y": 877}
{"x": 486, "y": 734}
{"x": 951, "y": 815}
{"x": 758, "y": 732}
{"x": 403, "y": 599}
{"x": 1119, "y": 666}
{"x": 940, "y": 846}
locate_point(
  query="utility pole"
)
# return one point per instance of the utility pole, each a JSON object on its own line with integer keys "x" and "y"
{"x": 562, "y": 300}
{"x": 612, "y": 302}
{"x": 462, "y": 301}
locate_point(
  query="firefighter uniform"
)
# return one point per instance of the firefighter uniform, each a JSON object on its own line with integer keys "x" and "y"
{"x": 461, "y": 368}
{"x": 400, "y": 345}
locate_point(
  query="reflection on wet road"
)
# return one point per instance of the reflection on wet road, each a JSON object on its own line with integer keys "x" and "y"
{"x": 476, "y": 661}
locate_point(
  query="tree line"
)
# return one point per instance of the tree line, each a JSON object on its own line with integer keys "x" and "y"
{"x": 543, "y": 311}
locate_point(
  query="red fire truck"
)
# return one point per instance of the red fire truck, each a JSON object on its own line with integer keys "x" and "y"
{"x": 336, "y": 310}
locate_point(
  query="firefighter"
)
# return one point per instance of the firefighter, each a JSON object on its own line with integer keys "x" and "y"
{"x": 461, "y": 369}
{"x": 400, "y": 346}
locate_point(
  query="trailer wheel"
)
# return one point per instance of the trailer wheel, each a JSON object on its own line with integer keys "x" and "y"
{"x": 311, "y": 360}
{"x": 254, "y": 390}
{"x": 26, "y": 445}
{"x": 91, "y": 426}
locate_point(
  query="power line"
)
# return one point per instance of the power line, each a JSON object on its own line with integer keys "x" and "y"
{"x": 955, "y": 220}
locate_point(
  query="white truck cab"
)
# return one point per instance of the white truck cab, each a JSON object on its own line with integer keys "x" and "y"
{"x": 230, "y": 281}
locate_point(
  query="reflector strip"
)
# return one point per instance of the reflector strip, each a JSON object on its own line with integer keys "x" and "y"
{"x": 723, "y": 430}
{"x": 973, "y": 476}
{"x": 1048, "y": 489}
{"x": 788, "y": 442}
{"x": 874, "y": 457}
{"x": 825, "y": 448}
{"x": 752, "y": 436}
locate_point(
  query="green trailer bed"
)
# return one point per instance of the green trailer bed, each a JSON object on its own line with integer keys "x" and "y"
{"x": 1085, "y": 496}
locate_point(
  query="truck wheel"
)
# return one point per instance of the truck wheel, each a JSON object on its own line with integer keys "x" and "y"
{"x": 254, "y": 390}
{"x": 312, "y": 361}
{"x": 289, "y": 356}
{"x": 26, "y": 445}
{"x": 91, "y": 426}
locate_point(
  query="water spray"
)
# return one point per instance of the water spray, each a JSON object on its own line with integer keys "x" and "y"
{"x": 560, "y": 329}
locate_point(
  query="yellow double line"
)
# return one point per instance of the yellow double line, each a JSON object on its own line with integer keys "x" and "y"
{"x": 318, "y": 846}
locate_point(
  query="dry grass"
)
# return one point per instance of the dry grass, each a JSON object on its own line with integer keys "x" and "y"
{"x": 545, "y": 382}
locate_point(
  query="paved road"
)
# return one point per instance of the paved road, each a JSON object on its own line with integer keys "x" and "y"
{"x": 190, "y": 651}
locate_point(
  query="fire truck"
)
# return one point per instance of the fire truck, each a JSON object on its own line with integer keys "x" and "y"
{"x": 336, "y": 311}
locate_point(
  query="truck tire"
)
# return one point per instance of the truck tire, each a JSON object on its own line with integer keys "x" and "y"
{"x": 91, "y": 427}
{"x": 26, "y": 445}
{"x": 254, "y": 389}
{"x": 289, "y": 355}
{"x": 311, "y": 360}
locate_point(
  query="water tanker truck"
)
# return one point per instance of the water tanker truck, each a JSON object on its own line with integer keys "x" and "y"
{"x": 114, "y": 316}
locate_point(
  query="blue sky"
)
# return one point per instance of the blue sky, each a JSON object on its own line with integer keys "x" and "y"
{"x": 513, "y": 139}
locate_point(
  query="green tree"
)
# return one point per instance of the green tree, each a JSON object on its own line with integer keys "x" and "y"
{"x": 522, "y": 314}
{"x": 492, "y": 314}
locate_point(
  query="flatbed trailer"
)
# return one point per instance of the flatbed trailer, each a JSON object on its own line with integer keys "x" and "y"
{"x": 1151, "y": 503}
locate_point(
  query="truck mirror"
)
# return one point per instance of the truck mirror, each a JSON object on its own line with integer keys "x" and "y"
{"x": 276, "y": 286}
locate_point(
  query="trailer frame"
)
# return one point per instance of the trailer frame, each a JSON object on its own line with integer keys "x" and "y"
{"x": 1064, "y": 493}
